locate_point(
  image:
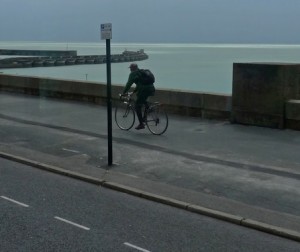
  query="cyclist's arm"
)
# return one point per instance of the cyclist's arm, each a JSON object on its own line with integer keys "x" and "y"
{"x": 131, "y": 80}
{"x": 134, "y": 78}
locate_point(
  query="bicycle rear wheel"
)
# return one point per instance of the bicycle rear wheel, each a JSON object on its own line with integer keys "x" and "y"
{"x": 124, "y": 116}
{"x": 157, "y": 120}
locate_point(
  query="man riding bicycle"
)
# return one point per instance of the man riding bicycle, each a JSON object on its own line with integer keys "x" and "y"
{"x": 143, "y": 91}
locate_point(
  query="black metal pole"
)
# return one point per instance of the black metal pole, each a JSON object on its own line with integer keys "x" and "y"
{"x": 109, "y": 109}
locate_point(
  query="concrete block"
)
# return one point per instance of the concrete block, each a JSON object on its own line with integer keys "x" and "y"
{"x": 292, "y": 109}
{"x": 260, "y": 91}
{"x": 292, "y": 114}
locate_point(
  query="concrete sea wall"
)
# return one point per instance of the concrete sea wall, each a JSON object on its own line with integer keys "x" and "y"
{"x": 206, "y": 105}
{"x": 279, "y": 107}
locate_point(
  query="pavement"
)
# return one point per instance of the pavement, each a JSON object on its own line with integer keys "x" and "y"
{"x": 245, "y": 175}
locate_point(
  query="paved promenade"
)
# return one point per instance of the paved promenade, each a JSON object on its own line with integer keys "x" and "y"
{"x": 242, "y": 174}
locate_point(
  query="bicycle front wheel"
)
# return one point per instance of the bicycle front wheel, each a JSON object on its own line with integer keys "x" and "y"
{"x": 157, "y": 120}
{"x": 124, "y": 116}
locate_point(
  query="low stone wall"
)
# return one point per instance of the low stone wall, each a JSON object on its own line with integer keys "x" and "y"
{"x": 205, "y": 105}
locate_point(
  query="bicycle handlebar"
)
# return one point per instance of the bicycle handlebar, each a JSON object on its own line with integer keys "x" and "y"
{"x": 126, "y": 96}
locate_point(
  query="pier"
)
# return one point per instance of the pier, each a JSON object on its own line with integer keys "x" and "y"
{"x": 53, "y": 53}
{"x": 63, "y": 59}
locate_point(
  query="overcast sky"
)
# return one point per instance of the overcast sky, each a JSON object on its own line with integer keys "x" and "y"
{"x": 162, "y": 21}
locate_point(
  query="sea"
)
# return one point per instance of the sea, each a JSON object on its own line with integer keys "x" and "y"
{"x": 188, "y": 67}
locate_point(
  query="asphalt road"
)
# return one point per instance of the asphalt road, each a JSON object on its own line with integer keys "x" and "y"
{"x": 41, "y": 211}
{"x": 277, "y": 190}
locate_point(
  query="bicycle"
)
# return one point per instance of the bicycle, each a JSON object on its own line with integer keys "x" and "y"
{"x": 155, "y": 118}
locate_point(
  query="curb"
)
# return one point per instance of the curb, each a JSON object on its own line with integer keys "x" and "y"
{"x": 234, "y": 219}
{"x": 51, "y": 168}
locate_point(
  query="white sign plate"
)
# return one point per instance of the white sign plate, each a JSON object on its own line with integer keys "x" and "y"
{"x": 106, "y": 31}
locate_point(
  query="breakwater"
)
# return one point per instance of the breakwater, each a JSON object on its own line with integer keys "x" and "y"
{"x": 53, "y": 53}
{"x": 66, "y": 60}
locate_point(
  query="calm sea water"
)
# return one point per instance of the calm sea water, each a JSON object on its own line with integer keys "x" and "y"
{"x": 192, "y": 67}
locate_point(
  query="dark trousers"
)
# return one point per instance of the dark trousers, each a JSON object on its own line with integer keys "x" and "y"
{"x": 140, "y": 101}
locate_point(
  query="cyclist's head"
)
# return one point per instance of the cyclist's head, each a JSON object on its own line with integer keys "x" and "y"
{"x": 133, "y": 67}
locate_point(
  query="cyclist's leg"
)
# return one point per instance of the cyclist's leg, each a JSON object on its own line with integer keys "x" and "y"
{"x": 140, "y": 101}
{"x": 150, "y": 92}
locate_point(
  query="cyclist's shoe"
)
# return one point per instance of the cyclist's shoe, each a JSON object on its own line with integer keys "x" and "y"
{"x": 140, "y": 126}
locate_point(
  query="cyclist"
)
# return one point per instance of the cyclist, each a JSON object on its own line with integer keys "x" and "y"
{"x": 142, "y": 90}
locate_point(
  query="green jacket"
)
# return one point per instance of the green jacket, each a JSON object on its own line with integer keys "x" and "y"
{"x": 135, "y": 78}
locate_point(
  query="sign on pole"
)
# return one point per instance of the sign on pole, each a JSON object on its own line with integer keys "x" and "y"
{"x": 106, "y": 31}
{"x": 106, "y": 34}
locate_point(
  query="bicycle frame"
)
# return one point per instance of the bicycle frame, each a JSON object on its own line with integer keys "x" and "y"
{"x": 155, "y": 117}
